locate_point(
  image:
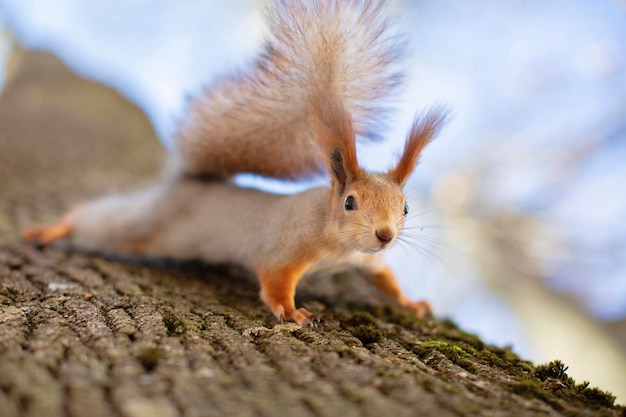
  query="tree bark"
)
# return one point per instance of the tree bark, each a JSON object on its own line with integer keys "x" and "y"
{"x": 81, "y": 334}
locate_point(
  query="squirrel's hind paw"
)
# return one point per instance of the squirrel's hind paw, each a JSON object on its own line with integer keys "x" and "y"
{"x": 46, "y": 234}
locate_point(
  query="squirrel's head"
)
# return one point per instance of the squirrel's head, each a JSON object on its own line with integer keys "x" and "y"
{"x": 367, "y": 209}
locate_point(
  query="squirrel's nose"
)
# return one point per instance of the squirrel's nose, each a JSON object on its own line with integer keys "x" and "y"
{"x": 384, "y": 235}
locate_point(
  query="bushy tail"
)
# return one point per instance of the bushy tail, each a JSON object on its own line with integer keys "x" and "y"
{"x": 260, "y": 121}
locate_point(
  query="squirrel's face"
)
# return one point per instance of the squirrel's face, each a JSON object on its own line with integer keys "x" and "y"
{"x": 368, "y": 209}
{"x": 370, "y": 213}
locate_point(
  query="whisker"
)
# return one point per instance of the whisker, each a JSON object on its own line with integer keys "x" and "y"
{"x": 409, "y": 191}
{"x": 438, "y": 227}
{"x": 422, "y": 251}
{"x": 442, "y": 244}
{"x": 412, "y": 258}
{"x": 412, "y": 214}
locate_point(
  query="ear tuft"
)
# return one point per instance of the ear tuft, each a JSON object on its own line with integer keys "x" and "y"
{"x": 423, "y": 131}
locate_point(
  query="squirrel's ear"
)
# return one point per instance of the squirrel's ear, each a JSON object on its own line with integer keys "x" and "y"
{"x": 338, "y": 168}
{"x": 334, "y": 130}
{"x": 423, "y": 131}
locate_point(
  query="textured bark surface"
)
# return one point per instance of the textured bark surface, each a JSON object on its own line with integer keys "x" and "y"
{"x": 84, "y": 335}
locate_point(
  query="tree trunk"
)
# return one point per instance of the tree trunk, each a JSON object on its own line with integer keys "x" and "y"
{"x": 82, "y": 335}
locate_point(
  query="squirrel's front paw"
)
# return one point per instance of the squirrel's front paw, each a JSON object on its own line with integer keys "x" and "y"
{"x": 300, "y": 315}
{"x": 421, "y": 309}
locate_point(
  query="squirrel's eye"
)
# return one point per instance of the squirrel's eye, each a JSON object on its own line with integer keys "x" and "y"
{"x": 350, "y": 203}
{"x": 406, "y": 208}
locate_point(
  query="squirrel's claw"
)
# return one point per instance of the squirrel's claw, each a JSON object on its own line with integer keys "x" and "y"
{"x": 300, "y": 316}
{"x": 279, "y": 312}
{"x": 310, "y": 321}
{"x": 303, "y": 317}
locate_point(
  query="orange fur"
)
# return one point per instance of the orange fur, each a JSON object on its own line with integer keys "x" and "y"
{"x": 60, "y": 229}
{"x": 47, "y": 234}
{"x": 423, "y": 131}
{"x": 258, "y": 120}
{"x": 278, "y": 289}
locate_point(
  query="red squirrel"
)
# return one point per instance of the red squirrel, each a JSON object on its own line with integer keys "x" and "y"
{"x": 326, "y": 68}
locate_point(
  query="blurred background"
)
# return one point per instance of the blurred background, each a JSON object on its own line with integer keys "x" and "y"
{"x": 518, "y": 226}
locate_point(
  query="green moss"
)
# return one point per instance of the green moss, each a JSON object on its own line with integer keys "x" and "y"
{"x": 362, "y": 325}
{"x": 428, "y": 385}
{"x": 551, "y": 381}
{"x": 597, "y": 398}
{"x": 529, "y": 389}
{"x": 149, "y": 358}
{"x": 451, "y": 388}
{"x": 472, "y": 340}
{"x": 506, "y": 360}
{"x": 555, "y": 380}
{"x": 555, "y": 369}
{"x": 449, "y": 323}
{"x": 466, "y": 350}
{"x": 453, "y": 352}
{"x": 433, "y": 344}
{"x": 547, "y": 382}
{"x": 401, "y": 317}
{"x": 367, "y": 334}
{"x": 174, "y": 324}
{"x": 361, "y": 318}
{"x": 424, "y": 349}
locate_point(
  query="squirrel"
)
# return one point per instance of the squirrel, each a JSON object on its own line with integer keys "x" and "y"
{"x": 326, "y": 68}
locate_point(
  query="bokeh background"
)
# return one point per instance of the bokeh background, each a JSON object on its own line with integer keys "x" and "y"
{"x": 518, "y": 225}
